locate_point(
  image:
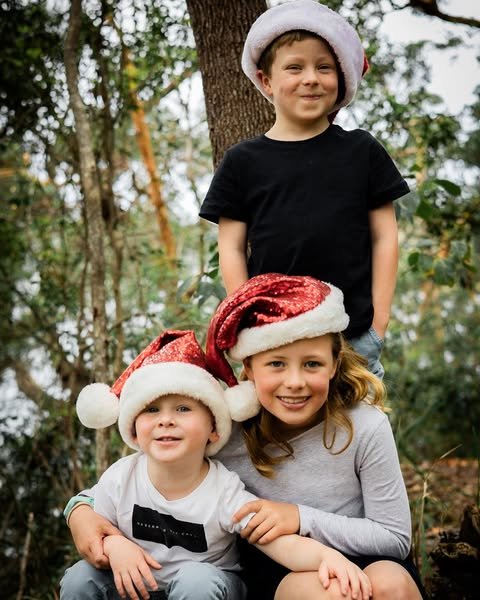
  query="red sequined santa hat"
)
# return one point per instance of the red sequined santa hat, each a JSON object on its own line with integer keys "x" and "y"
{"x": 173, "y": 363}
{"x": 269, "y": 311}
{"x": 307, "y": 15}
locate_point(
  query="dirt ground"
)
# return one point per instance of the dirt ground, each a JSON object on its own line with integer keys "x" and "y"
{"x": 447, "y": 487}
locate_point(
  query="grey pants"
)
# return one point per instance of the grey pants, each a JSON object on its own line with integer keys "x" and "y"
{"x": 193, "y": 581}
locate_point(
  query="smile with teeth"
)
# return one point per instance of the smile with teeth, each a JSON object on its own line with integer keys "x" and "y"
{"x": 167, "y": 438}
{"x": 293, "y": 400}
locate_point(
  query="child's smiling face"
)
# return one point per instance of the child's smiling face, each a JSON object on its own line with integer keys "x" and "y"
{"x": 303, "y": 83}
{"x": 173, "y": 427}
{"x": 292, "y": 382}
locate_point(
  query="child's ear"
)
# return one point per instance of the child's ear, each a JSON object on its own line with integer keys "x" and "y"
{"x": 264, "y": 82}
{"x": 247, "y": 367}
{"x": 336, "y": 365}
{"x": 213, "y": 437}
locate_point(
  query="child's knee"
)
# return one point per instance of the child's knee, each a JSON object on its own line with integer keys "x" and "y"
{"x": 83, "y": 582}
{"x": 390, "y": 581}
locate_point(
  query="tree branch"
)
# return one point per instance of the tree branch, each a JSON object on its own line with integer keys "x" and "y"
{"x": 430, "y": 8}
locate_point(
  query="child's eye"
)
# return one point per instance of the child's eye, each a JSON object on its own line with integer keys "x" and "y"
{"x": 312, "y": 364}
{"x": 325, "y": 67}
{"x": 276, "y": 364}
{"x": 183, "y": 408}
{"x": 293, "y": 67}
{"x": 151, "y": 409}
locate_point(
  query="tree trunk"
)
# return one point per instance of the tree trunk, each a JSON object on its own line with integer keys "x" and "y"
{"x": 235, "y": 109}
{"x": 93, "y": 211}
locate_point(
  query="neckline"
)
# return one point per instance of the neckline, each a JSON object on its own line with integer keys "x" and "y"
{"x": 298, "y": 142}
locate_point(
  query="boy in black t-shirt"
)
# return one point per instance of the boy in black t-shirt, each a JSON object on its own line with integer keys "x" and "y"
{"x": 308, "y": 197}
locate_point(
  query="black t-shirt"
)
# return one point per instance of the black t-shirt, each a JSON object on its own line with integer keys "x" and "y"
{"x": 306, "y": 206}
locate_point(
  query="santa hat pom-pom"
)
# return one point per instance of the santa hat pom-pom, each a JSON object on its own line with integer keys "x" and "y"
{"x": 97, "y": 406}
{"x": 242, "y": 401}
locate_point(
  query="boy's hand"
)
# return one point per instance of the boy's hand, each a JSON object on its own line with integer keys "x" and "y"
{"x": 131, "y": 567}
{"x": 350, "y": 577}
{"x": 88, "y": 530}
{"x": 271, "y": 520}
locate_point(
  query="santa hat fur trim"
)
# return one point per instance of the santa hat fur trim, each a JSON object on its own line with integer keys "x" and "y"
{"x": 307, "y": 15}
{"x": 148, "y": 383}
{"x": 328, "y": 317}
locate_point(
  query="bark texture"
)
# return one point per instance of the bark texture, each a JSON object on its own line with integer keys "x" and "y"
{"x": 93, "y": 214}
{"x": 235, "y": 109}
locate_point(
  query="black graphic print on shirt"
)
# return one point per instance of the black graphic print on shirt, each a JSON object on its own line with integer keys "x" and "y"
{"x": 152, "y": 526}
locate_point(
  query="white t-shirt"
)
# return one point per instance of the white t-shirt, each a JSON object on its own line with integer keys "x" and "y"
{"x": 196, "y": 528}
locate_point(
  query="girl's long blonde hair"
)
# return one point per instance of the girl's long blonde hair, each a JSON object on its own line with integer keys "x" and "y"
{"x": 351, "y": 384}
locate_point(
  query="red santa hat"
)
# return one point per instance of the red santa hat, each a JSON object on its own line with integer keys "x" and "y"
{"x": 173, "y": 363}
{"x": 269, "y": 311}
{"x": 307, "y": 15}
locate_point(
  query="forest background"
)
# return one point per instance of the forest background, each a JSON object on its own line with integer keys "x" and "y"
{"x": 106, "y": 150}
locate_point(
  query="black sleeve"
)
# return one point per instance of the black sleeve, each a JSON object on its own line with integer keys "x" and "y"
{"x": 224, "y": 197}
{"x": 385, "y": 181}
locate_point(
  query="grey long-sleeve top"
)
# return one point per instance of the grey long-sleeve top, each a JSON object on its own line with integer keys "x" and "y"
{"x": 354, "y": 501}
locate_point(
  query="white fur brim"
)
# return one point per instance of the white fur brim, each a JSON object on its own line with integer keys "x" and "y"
{"x": 148, "y": 383}
{"x": 328, "y": 317}
{"x": 306, "y": 15}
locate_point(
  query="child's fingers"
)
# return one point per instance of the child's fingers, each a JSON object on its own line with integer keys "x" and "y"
{"x": 366, "y": 586}
{"x": 151, "y": 562}
{"x": 148, "y": 577}
{"x": 343, "y": 580}
{"x": 260, "y": 531}
{"x": 137, "y": 579}
{"x": 119, "y": 584}
{"x": 354, "y": 583}
{"x": 251, "y": 526}
{"x": 324, "y": 575}
{"x": 250, "y": 507}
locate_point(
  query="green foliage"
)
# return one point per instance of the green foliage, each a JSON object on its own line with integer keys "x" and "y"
{"x": 30, "y": 46}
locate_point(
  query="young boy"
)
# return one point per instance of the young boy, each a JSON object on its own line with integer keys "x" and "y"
{"x": 308, "y": 197}
{"x": 173, "y": 505}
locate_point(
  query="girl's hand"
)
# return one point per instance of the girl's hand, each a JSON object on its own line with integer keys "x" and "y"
{"x": 271, "y": 520}
{"x": 350, "y": 577}
{"x": 131, "y": 567}
{"x": 88, "y": 530}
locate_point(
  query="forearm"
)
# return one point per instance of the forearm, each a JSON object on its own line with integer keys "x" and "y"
{"x": 233, "y": 267}
{"x": 384, "y": 277}
{"x": 232, "y": 252}
{"x": 384, "y": 265}
{"x": 357, "y": 536}
{"x": 294, "y": 552}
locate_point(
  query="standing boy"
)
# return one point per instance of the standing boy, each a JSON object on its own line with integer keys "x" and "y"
{"x": 308, "y": 197}
{"x": 173, "y": 505}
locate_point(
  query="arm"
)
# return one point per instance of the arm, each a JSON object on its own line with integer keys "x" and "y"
{"x": 304, "y": 554}
{"x": 384, "y": 236}
{"x": 232, "y": 250}
{"x": 88, "y": 530}
{"x": 383, "y": 528}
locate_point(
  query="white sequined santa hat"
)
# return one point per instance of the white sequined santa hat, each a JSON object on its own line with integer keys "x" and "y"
{"x": 173, "y": 363}
{"x": 307, "y": 15}
{"x": 269, "y": 311}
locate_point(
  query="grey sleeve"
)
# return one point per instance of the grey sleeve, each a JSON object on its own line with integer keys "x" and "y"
{"x": 385, "y": 528}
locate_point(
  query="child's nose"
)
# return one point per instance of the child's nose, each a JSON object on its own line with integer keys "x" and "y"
{"x": 166, "y": 418}
{"x": 310, "y": 75}
{"x": 294, "y": 379}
